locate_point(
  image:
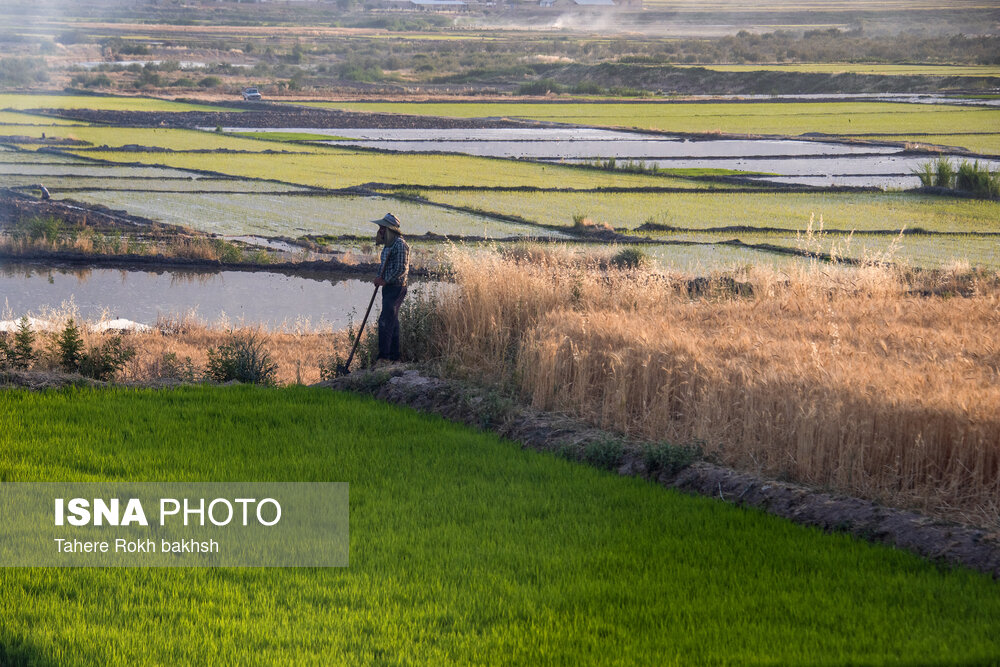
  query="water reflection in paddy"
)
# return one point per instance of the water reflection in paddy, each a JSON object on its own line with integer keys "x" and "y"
{"x": 254, "y": 298}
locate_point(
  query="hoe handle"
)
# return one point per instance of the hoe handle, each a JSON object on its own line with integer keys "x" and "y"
{"x": 357, "y": 340}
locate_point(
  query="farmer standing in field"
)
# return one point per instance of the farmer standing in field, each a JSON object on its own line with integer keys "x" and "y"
{"x": 392, "y": 279}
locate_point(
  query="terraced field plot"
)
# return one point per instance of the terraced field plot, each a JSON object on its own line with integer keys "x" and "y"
{"x": 987, "y": 143}
{"x": 166, "y": 138}
{"x": 58, "y": 185}
{"x": 12, "y": 118}
{"x": 917, "y": 250}
{"x": 815, "y": 163}
{"x": 85, "y": 170}
{"x": 60, "y": 172}
{"x": 342, "y": 168}
{"x": 574, "y": 142}
{"x": 464, "y": 548}
{"x": 16, "y": 102}
{"x": 838, "y": 118}
{"x": 9, "y": 156}
{"x": 287, "y": 215}
{"x": 703, "y": 254}
{"x": 845, "y": 211}
{"x": 975, "y": 222}
{"x": 256, "y": 207}
{"x": 886, "y": 170}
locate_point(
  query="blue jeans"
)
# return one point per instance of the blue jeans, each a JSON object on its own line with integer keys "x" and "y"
{"x": 388, "y": 322}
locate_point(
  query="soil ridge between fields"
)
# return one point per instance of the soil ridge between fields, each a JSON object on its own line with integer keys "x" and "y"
{"x": 938, "y": 540}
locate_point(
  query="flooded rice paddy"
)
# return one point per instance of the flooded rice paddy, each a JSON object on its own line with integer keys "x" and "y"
{"x": 60, "y": 184}
{"x": 271, "y": 300}
{"x": 801, "y": 162}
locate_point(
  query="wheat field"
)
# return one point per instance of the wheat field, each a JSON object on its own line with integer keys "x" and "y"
{"x": 871, "y": 381}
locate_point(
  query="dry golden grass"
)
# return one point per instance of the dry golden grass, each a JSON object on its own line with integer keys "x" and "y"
{"x": 839, "y": 378}
{"x": 297, "y": 348}
{"x": 298, "y": 354}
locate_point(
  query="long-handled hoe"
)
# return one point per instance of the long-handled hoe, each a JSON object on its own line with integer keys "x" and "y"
{"x": 345, "y": 368}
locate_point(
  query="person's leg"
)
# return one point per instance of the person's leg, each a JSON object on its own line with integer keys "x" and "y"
{"x": 388, "y": 320}
{"x": 394, "y": 340}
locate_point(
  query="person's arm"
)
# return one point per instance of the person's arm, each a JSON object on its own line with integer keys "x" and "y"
{"x": 396, "y": 263}
{"x": 380, "y": 279}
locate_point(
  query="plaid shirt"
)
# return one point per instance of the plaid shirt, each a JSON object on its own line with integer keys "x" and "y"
{"x": 395, "y": 262}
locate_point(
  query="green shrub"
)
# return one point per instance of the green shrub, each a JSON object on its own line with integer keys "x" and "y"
{"x": 104, "y": 362}
{"x": 925, "y": 172}
{"x": 330, "y": 367}
{"x": 977, "y": 180}
{"x": 5, "y": 360}
{"x": 38, "y": 227}
{"x": 944, "y": 173}
{"x": 170, "y": 366}
{"x": 22, "y": 71}
{"x": 491, "y": 408}
{"x": 228, "y": 253}
{"x": 663, "y": 457}
{"x": 87, "y": 81}
{"x": 629, "y": 258}
{"x": 540, "y": 87}
{"x": 587, "y": 88}
{"x": 408, "y": 192}
{"x": 244, "y": 359}
{"x": 71, "y": 37}
{"x": 417, "y": 320}
{"x": 607, "y": 453}
{"x": 69, "y": 347}
{"x": 210, "y": 82}
{"x": 969, "y": 177}
{"x": 22, "y": 354}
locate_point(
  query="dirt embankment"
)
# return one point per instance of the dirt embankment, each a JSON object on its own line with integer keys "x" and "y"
{"x": 16, "y": 208}
{"x": 941, "y": 541}
{"x": 275, "y": 116}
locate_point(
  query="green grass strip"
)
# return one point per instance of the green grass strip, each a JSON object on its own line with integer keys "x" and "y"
{"x": 464, "y": 549}
{"x": 840, "y": 210}
{"x": 35, "y": 101}
{"x": 289, "y": 136}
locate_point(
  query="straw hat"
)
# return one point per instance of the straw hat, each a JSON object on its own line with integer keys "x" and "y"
{"x": 389, "y": 222}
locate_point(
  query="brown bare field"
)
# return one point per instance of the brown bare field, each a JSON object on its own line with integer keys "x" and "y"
{"x": 847, "y": 380}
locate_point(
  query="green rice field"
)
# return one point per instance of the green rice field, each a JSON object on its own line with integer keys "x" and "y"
{"x": 17, "y": 102}
{"x": 983, "y": 143}
{"x": 917, "y": 250}
{"x": 840, "y": 210}
{"x": 465, "y": 549}
{"x": 168, "y": 138}
{"x": 697, "y": 255}
{"x": 13, "y": 118}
